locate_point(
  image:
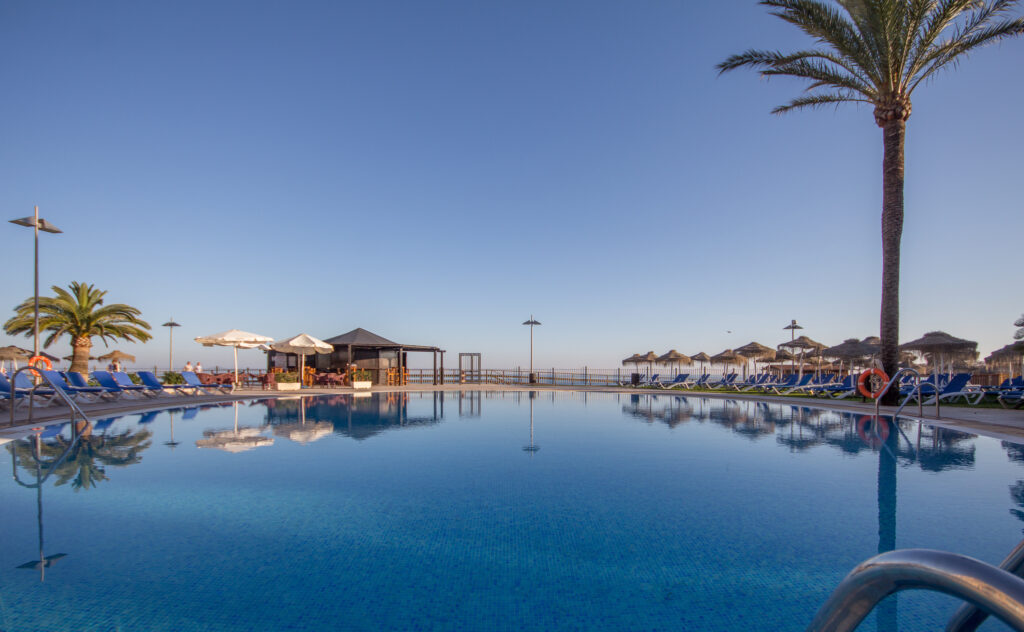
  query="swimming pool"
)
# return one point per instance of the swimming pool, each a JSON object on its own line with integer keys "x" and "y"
{"x": 454, "y": 511}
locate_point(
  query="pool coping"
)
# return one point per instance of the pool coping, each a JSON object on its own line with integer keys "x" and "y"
{"x": 992, "y": 422}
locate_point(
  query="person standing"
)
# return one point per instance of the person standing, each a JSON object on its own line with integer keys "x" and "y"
{"x": 188, "y": 366}
{"x": 199, "y": 367}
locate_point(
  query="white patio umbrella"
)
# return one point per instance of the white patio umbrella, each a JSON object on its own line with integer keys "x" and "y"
{"x": 234, "y": 338}
{"x": 303, "y": 345}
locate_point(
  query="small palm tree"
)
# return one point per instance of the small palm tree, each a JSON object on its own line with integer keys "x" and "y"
{"x": 80, "y": 314}
{"x": 878, "y": 52}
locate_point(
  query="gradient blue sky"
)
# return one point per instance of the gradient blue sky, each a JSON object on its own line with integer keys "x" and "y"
{"x": 437, "y": 171}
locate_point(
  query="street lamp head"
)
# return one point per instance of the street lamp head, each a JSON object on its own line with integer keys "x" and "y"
{"x": 170, "y": 323}
{"x": 532, "y": 322}
{"x": 30, "y": 222}
{"x": 793, "y": 325}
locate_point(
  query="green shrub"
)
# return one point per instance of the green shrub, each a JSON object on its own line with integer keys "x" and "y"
{"x": 135, "y": 378}
{"x": 362, "y": 375}
{"x": 286, "y": 378}
{"x": 173, "y": 377}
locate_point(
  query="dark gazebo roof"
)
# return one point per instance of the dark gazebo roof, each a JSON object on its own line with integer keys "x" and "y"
{"x": 362, "y": 338}
{"x": 359, "y": 337}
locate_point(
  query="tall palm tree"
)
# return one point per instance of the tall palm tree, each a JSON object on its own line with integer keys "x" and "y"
{"x": 878, "y": 52}
{"x": 80, "y": 314}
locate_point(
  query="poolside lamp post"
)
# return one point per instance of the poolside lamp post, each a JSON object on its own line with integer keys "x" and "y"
{"x": 792, "y": 327}
{"x": 37, "y": 224}
{"x": 170, "y": 325}
{"x": 531, "y": 323}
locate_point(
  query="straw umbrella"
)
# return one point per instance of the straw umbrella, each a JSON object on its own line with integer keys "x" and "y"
{"x": 13, "y": 354}
{"x": 116, "y": 356}
{"x": 674, "y": 357}
{"x": 941, "y": 344}
{"x": 650, "y": 358}
{"x": 756, "y": 351}
{"x": 849, "y": 350}
{"x": 702, "y": 358}
{"x": 803, "y": 343}
{"x": 728, "y": 357}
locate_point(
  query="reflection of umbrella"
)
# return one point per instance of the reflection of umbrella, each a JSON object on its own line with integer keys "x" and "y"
{"x": 302, "y": 345}
{"x": 942, "y": 344}
{"x": 234, "y": 338}
{"x": 304, "y": 433}
{"x": 117, "y": 356}
{"x": 234, "y": 440}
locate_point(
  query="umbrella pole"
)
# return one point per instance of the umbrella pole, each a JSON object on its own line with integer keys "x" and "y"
{"x": 235, "y": 383}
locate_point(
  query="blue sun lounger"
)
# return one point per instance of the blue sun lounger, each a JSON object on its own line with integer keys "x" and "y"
{"x": 193, "y": 380}
{"x": 85, "y": 393}
{"x": 125, "y": 382}
{"x": 680, "y": 380}
{"x": 107, "y": 381}
{"x": 149, "y": 379}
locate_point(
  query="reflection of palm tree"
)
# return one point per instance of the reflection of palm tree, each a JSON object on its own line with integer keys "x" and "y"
{"x": 85, "y": 465}
{"x": 1017, "y": 496}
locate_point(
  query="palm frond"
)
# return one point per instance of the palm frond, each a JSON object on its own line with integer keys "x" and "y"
{"x": 817, "y": 101}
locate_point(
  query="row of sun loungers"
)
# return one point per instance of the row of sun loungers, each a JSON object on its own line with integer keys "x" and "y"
{"x": 112, "y": 386}
{"x": 956, "y": 388}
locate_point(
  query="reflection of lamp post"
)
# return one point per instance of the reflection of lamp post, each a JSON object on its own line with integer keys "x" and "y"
{"x": 172, "y": 443}
{"x": 531, "y": 323}
{"x": 533, "y": 447}
{"x": 792, "y": 327}
{"x": 170, "y": 325}
{"x": 44, "y": 561}
{"x": 36, "y": 224}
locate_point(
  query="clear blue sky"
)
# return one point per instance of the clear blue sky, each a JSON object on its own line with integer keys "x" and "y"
{"x": 437, "y": 171}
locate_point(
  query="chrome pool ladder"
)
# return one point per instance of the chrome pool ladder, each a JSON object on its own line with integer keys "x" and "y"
{"x": 988, "y": 590}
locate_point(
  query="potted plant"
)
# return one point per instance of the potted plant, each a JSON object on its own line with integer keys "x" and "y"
{"x": 287, "y": 381}
{"x": 361, "y": 379}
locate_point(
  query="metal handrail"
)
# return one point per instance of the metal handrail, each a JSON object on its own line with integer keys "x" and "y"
{"x": 917, "y": 389}
{"x": 992, "y": 589}
{"x": 58, "y": 391}
{"x": 968, "y": 617}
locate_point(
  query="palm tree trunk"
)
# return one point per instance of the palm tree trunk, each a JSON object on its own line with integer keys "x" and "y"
{"x": 80, "y": 348}
{"x": 893, "y": 133}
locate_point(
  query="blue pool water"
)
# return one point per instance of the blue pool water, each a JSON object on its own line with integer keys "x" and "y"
{"x": 442, "y": 511}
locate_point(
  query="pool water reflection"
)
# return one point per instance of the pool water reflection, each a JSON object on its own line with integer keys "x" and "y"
{"x": 484, "y": 510}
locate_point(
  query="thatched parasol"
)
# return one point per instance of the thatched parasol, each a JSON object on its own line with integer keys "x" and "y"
{"x": 14, "y": 353}
{"x": 939, "y": 344}
{"x": 756, "y": 351}
{"x": 650, "y": 358}
{"x": 728, "y": 357}
{"x": 673, "y": 357}
{"x": 116, "y": 355}
{"x": 803, "y": 344}
{"x": 702, "y": 358}
{"x": 850, "y": 350}
{"x": 1009, "y": 356}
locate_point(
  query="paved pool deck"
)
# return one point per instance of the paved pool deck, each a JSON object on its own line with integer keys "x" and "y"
{"x": 992, "y": 422}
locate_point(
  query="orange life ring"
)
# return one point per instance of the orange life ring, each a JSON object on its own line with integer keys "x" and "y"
{"x": 862, "y": 383}
{"x": 34, "y": 359}
{"x": 880, "y": 432}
